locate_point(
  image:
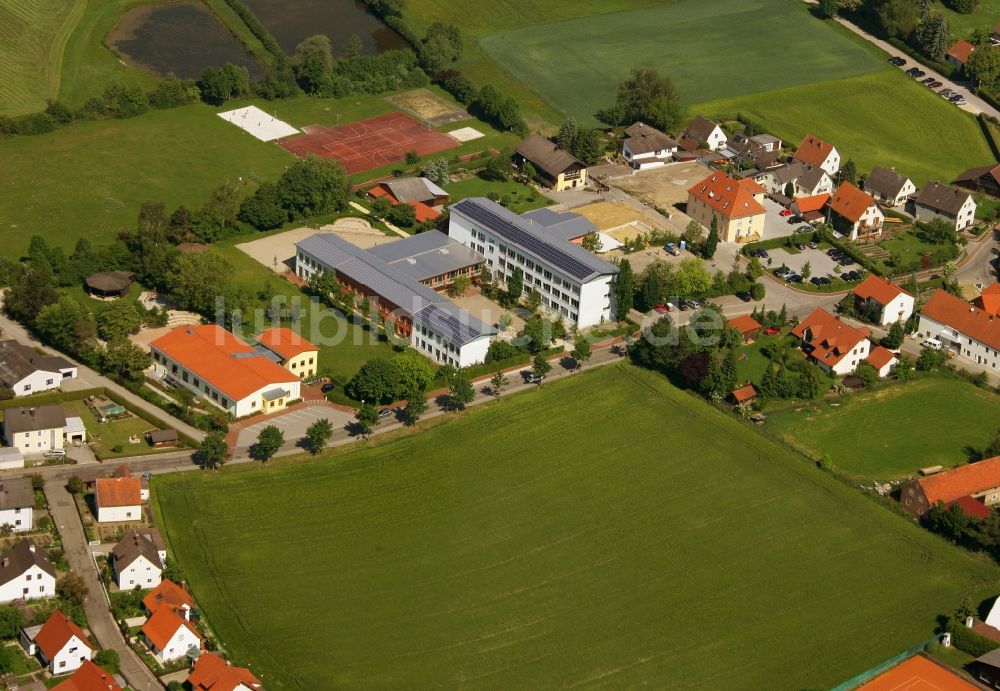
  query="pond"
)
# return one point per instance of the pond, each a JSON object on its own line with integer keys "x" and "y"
{"x": 291, "y": 21}
{"x": 183, "y": 38}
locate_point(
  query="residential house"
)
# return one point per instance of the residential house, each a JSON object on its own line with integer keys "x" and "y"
{"x": 832, "y": 344}
{"x": 745, "y": 395}
{"x": 433, "y": 325}
{"x": 736, "y": 205}
{"x": 573, "y": 283}
{"x": 231, "y": 375}
{"x": 137, "y": 561}
{"x": 819, "y": 153}
{"x": 170, "y": 595}
{"x": 855, "y": 213}
{"x": 169, "y": 635}
{"x": 989, "y": 299}
{"x": 806, "y": 179}
{"x": 748, "y": 327}
{"x": 936, "y": 200}
{"x": 958, "y": 54}
{"x": 768, "y": 142}
{"x": 969, "y": 331}
{"x": 703, "y": 133}
{"x": 25, "y": 371}
{"x": 888, "y": 186}
{"x": 26, "y": 573}
{"x": 884, "y": 302}
{"x": 89, "y": 677}
{"x": 118, "y": 499}
{"x": 17, "y": 504}
{"x": 761, "y": 151}
{"x": 986, "y": 669}
{"x": 295, "y": 354}
{"x": 883, "y": 360}
{"x": 918, "y": 672}
{"x": 980, "y": 480}
{"x": 431, "y": 258}
{"x": 211, "y": 673}
{"x": 35, "y": 430}
{"x": 426, "y": 197}
{"x": 61, "y": 645}
{"x": 647, "y": 147}
{"x": 810, "y": 208}
{"x": 560, "y": 169}
{"x": 982, "y": 179}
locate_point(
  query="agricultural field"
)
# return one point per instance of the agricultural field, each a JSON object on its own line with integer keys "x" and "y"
{"x": 618, "y": 533}
{"x": 894, "y": 431}
{"x": 33, "y": 35}
{"x": 576, "y": 65}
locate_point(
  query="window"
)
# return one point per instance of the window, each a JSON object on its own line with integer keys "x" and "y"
{"x": 48, "y": 382}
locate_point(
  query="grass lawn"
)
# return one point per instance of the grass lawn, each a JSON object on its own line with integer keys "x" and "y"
{"x": 522, "y": 197}
{"x": 894, "y": 431}
{"x": 908, "y": 245}
{"x": 618, "y": 532}
{"x": 985, "y": 16}
{"x": 882, "y": 118}
{"x": 108, "y": 435}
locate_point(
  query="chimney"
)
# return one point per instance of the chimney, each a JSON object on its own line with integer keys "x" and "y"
{"x": 31, "y": 547}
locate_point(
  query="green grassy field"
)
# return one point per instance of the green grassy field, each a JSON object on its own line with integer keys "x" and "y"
{"x": 985, "y": 16}
{"x": 710, "y": 48}
{"x": 33, "y": 35}
{"x": 892, "y": 432}
{"x": 877, "y": 119}
{"x": 617, "y": 532}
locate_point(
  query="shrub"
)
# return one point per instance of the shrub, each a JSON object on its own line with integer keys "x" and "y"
{"x": 969, "y": 641}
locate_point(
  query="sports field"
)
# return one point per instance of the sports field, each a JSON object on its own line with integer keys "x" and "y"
{"x": 709, "y": 48}
{"x": 606, "y": 531}
{"x": 897, "y": 430}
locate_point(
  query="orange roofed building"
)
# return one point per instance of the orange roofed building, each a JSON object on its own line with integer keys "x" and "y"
{"x": 298, "y": 355}
{"x": 168, "y": 594}
{"x": 884, "y": 302}
{"x": 819, "y": 153}
{"x": 959, "y": 53}
{"x": 856, "y": 212}
{"x": 169, "y": 635}
{"x": 119, "y": 499}
{"x": 89, "y": 677}
{"x": 736, "y": 205}
{"x": 212, "y": 673}
{"x": 989, "y": 300}
{"x": 216, "y": 365}
{"x": 61, "y": 645}
{"x": 980, "y": 481}
{"x": 970, "y": 331}
{"x": 746, "y": 325}
{"x": 830, "y": 343}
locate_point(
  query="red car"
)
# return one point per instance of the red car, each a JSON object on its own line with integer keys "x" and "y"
{"x": 770, "y": 331}
{"x": 663, "y": 309}
{"x": 785, "y": 212}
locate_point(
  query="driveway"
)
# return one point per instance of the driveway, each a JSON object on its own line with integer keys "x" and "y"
{"x": 294, "y": 424}
{"x": 776, "y": 225}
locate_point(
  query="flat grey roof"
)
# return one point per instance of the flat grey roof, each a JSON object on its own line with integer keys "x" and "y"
{"x": 427, "y": 255}
{"x": 563, "y": 226}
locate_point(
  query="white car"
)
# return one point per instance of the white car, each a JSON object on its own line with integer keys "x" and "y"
{"x": 55, "y": 453}
{"x": 932, "y": 343}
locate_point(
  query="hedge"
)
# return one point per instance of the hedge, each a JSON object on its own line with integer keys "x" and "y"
{"x": 256, "y": 28}
{"x": 989, "y": 132}
{"x": 967, "y": 640}
{"x": 476, "y": 371}
{"x": 784, "y": 241}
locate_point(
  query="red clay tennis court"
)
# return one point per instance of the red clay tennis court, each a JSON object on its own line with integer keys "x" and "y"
{"x": 371, "y": 143}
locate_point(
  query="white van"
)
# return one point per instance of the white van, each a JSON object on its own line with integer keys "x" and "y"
{"x": 932, "y": 343}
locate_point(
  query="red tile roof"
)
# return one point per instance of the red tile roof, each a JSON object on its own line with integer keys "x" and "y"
{"x": 966, "y": 479}
{"x": 830, "y": 338}
{"x": 961, "y": 51}
{"x": 970, "y": 321}
{"x": 972, "y": 507}
{"x": 878, "y": 289}
{"x": 744, "y": 324}
{"x": 989, "y": 300}
{"x": 162, "y": 626}
{"x": 55, "y": 634}
{"x": 167, "y": 593}
{"x": 89, "y": 677}
{"x": 212, "y": 673}
{"x": 879, "y": 357}
{"x": 850, "y": 202}
{"x": 813, "y": 203}
{"x": 423, "y": 211}
{"x": 731, "y": 198}
{"x": 744, "y": 393}
{"x": 208, "y": 352}
{"x": 119, "y": 491}
{"x": 285, "y": 342}
{"x": 813, "y": 150}
{"x": 918, "y": 674}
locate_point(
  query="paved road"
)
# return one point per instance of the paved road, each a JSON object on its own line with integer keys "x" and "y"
{"x": 99, "y": 618}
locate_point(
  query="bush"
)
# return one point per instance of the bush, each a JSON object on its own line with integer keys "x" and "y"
{"x": 967, "y": 640}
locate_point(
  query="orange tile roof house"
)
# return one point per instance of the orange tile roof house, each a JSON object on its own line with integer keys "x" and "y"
{"x": 745, "y": 395}
{"x": 884, "y": 302}
{"x": 819, "y": 153}
{"x": 980, "y": 480}
{"x": 959, "y": 53}
{"x": 298, "y": 355}
{"x": 989, "y": 299}
{"x": 169, "y": 635}
{"x": 89, "y": 677}
{"x": 222, "y": 369}
{"x": 118, "y": 499}
{"x": 168, "y": 594}
{"x": 811, "y": 208}
{"x": 969, "y": 331}
{"x": 855, "y": 212}
{"x": 882, "y": 359}
{"x": 737, "y": 206}
{"x": 746, "y": 325}
{"x": 61, "y": 645}
{"x": 830, "y": 343}
{"x": 212, "y": 673}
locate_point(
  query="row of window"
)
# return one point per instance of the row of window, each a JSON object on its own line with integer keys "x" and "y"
{"x": 436, "y": 353}
{"x": 525, "y": 262}
{"x": 196, "y": 383}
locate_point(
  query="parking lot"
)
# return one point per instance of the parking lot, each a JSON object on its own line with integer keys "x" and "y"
{"x": 294, "y": 424}
{"x": 776, "y": 225}
{"x": 820, "y": 263}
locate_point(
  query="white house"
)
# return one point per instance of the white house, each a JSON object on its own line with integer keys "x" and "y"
{"x": 819, "y": 153}
{"x": 955, "y": 206}
{"x": 703, "y": 132}
{"x": 118, "y": 499}
{"x": 889, "y": 187}
{"x": 832, "y": 344}
{"x": 969, "y": 331}
{"x": 137, "y": 560}
{"x": 806, "y": 179}
{"x": 170, "y": 636}
{"x": 26, "y": 573}
{"x": 35, "y": 430}
{"x": 647, "y": 147}
{"x": 882, "y": 359}
{"x": 878, "y": 298}
{"x": 856, "y": 213}
{"x": 26, "y": 371}
{"x": 211, "y": 673}
{"x": 61, "y": 645}
{"x": 573, "y": 283}
{"x": 17, "y": 504}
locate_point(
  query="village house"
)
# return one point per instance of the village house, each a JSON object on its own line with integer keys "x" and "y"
{"x": 745, "y": 395}
{"x": 883, "y": 360}
{"x": 61, "y": 645}
{"x": 888, "y": 186}
{"x": 806, "y": 179}
{"x": 967, "y": 330}
{"x": 748, "y": 327}
{"x": 979, "y": 481}
{"x": 647, "y": 147}
{"x": 89, "y": 677}
{"x": 884, "y": 302}
{"x": 168, "y": 594}
{"x": 295, "y": 354}
{"x": 137, "y": 561}
{"x": 560, "y": 169}
{"x": 855, "y": 213}
{"x": 169, "y": 635}
{"x": 958, "y": 54}
{"x": 736, "y": 205}
{"x": 703, "y": 133}
{"x": 25, "y": 371}
{"x": 211, "y": 673}
{"x": 119, "y": 499}
{"x": 431, "y": 258}
{"x": 36, "y": 430}
{"x": 761, "y": 151}
{"x": 26, "y": 573}
{"x": 989, "y": 299}
{"x": 819, "y": 153}
{"x": 426, "y": 197}
{"x": 17, "y": 504}
{"x": 810, "y": 208}
{"x": 832, "y": 344}
{"x": 982, "y": 179}
{"x": 936, "y": 200}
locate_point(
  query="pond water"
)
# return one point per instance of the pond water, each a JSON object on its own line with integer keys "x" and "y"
{"x": 291, "y": 21}
{"x": 183, "y": 38}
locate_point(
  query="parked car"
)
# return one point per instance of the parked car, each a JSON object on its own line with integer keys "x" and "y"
{"x": 785, "y": 212}
{"x": 957, "y": 99}
{"x": 919, "y": 74}
{"x": 696, "y": 304}
{"x": 147, "y": 475}
{"x": 932, "y": 343}
{"x": 328, "y": 387}
{"x": 762, "y": 253}
{"x": 945, "y": 93}
{"x": 812, "y": 245}
{"x": 535, "y": 378}
{"x": 782, "y": 271}
{"x": 846, "y": 261}
{"x": 664, "y": 308}
{"x": 804, "y": 229}
{"x": 800, "y": 247}
{"x": 771, "y": 331}
{"x": 794, "y": 278}
{"x": 685, "y": 306}
{"x": 850, "y": 276}
{"x": 928, "y": 81}
{"x": 55, "y": 453}
{"x": 935, "y": 84}
{"x": 821, "y": 281}
{"x": 815, "y": 280}
{"x": 792, "y": 220}
{"x": 744, "y": 296}
{"x": 912, "y": 71}
{"x": 897, "y": 61}
{"x": 833, "y": 252}
{"x": 384, "y": 413}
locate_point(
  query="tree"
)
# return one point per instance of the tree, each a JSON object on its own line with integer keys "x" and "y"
{"x": 591, "y": 242}
{"x": 515, "y": 284}
{"x": 568, "y": 132}
{"x": 849, "y": 172}
{"x": 441, "y": 46}
{"x": 712, "y": 242}
{"x": 72, "y": 588}
{"x": 624, "y": 289}
{"x": 898, "y": 18}
{"x": 217, "y": 86}
{"x": 413, "y": 373}
{"x": 528, "y": 171}
{"x": 540, "y": 366}
{"x": 31, "y": 289}
{"x": 318, "y": 434}
{"x": 757, "y": 291}
{"x": 533, "y": 301}
{"x": 312, "y": 186}
{"x": 376, "y": 382}
{"x": 536, "y": 334}
{"x": 124, "y": 358}
{"x": 984, "y": 68}
{"x": 367, "y": 418}
{"x": 828, "y": 8}
{"x": 352, "y": 46}
{"x": 806, "y": 270}
{"x": 497, "y": 169}
{"x": 648, "y": 96}
{"x": 269, "y": 440}
{"x": 263, "y": 209}
{"x": 198, "y": 279}
{"x": 74, "y": 485}
{"x": 402, "y": 215}
{"x": 499, "y": 382}
{"x": 213, "y": 451}
{"x": 930, "y": 359}
{"x": 894, "y": 339}
{"x": 933, "y": 36}
{"x": 581, "y": 350}
{"x": 107, "y": 659}
{"x": 118, "y": 320}
{"x": 963, "y": 6}
{"x": 754, "y": 269}
{"x": 694, "y": 234}
{"x": 866, "y": 373}
{"x": 691, "y": 279}
{"x": 11, "y": 621}
{"x": 810, "y": 381}
{"x": 67, "y": 324}
{"x": 460, "y": 393}
{"x": 903, "y": 369}
{"x": 416, "y": 405}
{"x": 937, "y": 232}
{"x": 312, "y": 64}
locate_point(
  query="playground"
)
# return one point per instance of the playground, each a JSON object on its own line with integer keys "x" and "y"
{"x": 371, "y": 143}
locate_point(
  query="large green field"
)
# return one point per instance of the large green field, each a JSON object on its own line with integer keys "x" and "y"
{"x": 892, "y": 432}
{"x": 609, "y": 530}
{"x": 710, "y": 49}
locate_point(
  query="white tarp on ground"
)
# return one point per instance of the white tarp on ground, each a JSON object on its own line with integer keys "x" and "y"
{"x": 466, "y": 134}
{"x": 258, "y": 123}
{"x": 608, "y": 243}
